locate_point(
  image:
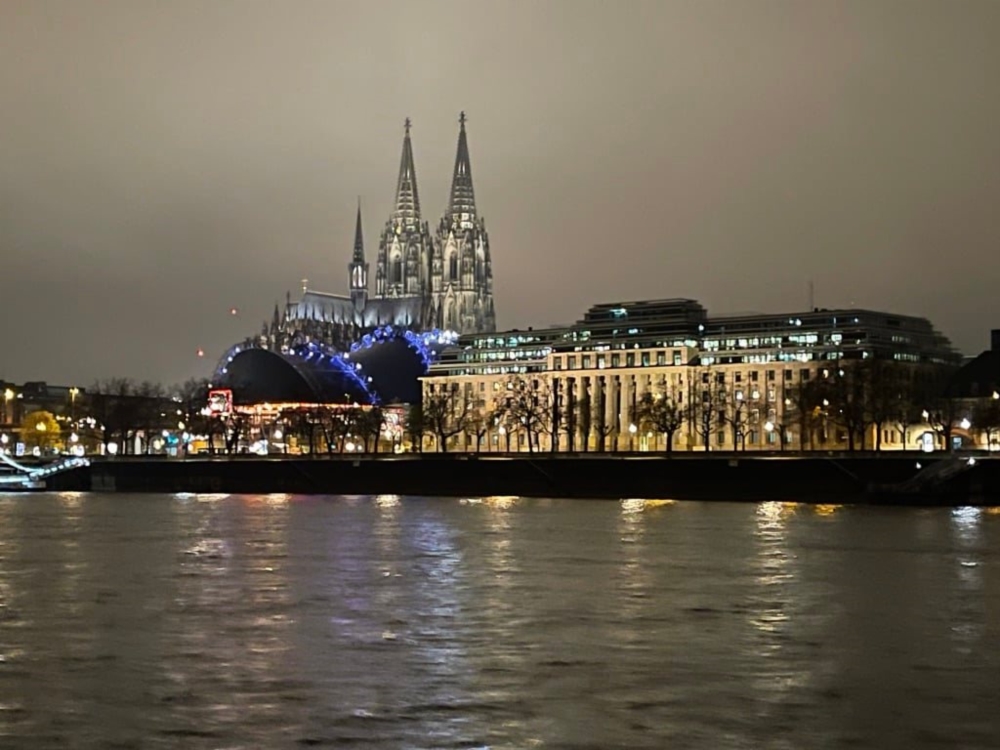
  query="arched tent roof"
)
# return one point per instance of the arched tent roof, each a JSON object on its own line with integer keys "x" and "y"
{"x": 384, "y": 366}
{"x": 259, "y": 376}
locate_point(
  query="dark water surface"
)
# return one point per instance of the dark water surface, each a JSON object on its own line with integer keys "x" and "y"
{"x": 276, "y": 621}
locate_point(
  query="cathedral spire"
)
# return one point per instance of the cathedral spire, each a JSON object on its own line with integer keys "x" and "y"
{"x": 463, "y": 197}
{"x": 407, "y": 199}
{"x": 359, "y": 242}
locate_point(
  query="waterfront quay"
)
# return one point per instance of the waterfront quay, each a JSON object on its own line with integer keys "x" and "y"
{"x": 917, "y": 478}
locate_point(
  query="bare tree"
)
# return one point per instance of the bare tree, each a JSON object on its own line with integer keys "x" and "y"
{"x": 986, "y": 418}
{"x": 478, "y": 425}
{"x": 584, "y": 419}
{"x": 660, "y": 413}
{"x": 368, "y": 425}
{"x": 703, "y": 406}
{"x": 884, "y": 383}
{"x": 445, "y": 414}
{"x": 528, "y": 402}
{"x": 415, "y": 426}
{"x": 940, "y": 409}
{"x": 603, "y": 427}
{"x": 735, "y": 413}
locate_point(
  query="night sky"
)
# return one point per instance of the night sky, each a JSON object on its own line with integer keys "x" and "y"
{"x": 163, "y": 162}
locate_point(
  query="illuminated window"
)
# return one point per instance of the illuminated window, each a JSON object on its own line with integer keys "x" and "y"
{"x": 630, "y": 360}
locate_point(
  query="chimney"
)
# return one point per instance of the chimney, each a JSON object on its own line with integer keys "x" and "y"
{"x": 995, "y": 339}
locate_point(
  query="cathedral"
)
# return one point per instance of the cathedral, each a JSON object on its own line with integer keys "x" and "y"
{"x": 423, "y": 281}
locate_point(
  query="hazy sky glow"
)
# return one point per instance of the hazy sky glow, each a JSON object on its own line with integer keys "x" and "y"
{"x": 163, "y": 162}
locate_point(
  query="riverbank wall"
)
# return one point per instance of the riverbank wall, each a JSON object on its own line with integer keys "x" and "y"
{"x": 820, "y": 479}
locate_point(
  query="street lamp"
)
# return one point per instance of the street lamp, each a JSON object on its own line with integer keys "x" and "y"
{"x": 8, "y": 394}
{"x": 996, "y": 395}
{"x": 965, "y": 424}
{"x": 631, "y": 436}
{"x": 769, "y": 426}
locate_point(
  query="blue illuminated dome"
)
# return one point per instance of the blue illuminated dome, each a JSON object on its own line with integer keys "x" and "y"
{"x": 385, "y": 366}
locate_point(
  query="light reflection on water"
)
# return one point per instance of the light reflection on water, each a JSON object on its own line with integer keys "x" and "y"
{"x": 206, "y": 621}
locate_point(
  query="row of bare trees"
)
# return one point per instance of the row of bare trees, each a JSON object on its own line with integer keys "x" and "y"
{"x": 848, "y": 404}
{"x": 123, "y": 410}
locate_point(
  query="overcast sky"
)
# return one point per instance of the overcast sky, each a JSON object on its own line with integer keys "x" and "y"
{"x": 162, "y": 162}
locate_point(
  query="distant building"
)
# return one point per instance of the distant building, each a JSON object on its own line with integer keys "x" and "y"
{"x": 423, "y": 280}
{"x": 744, "y": 374}
{"x": 979, "y": 377}
{"x": 22, "y": 399}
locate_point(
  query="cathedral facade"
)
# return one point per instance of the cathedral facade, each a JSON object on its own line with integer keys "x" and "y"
{"x": 423, "y": 280}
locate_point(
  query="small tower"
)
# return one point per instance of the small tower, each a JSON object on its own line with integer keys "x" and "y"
{"x": 358, "y": 268}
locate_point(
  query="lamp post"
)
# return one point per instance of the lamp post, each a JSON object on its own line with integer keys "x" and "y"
{"x": 631, "y": 437}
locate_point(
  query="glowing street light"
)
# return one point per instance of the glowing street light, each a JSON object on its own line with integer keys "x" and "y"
{"x": 769, "y": 426}
{"x": 632, "y": 429}
{"x": 41, "y": 426}
{"x": 965, "y": 424}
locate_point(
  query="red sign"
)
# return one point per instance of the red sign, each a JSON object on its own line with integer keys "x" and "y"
{"x": 220, "y": 401}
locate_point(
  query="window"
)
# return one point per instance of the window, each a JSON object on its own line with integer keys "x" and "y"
{"x": 661, "y": 358}
{"x": 630, "y": 360}
{"x": 396, "y": 271}
{"x": 616, "y": 360}
{"x": 601, "y": 362}
{"x": 804, "y": 374}
{"x": 645, "y": 359}
{"x": 586, "y": 361}
{"x": 788, "y": 374}
{"x": 677, "y": 359}
{"x": 753, "y": 376}
{"x": 770, "y": 375}
{"x": 739, "y": 377}
{"x": 571, "y": 362}
{"x": 704, "y": 377}
{"x": 557, "y": 363}
{"x": 453, "y": 267}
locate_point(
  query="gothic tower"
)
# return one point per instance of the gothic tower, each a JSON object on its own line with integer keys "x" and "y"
{"x": 461, "y": 269}
{"x": 358, "y": 268}
{"x": 404, "y": 249}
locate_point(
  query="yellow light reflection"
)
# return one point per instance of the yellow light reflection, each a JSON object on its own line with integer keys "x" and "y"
{"x": 386, "y": 502}
{"x": 640, "y": 505}
{"x": 501, "y": 502}
{"x": 211, "y": 497}
{"x": 826, "y": 509}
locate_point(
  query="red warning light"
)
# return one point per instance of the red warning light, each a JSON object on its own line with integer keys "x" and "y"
{"x": 201, "y": 352}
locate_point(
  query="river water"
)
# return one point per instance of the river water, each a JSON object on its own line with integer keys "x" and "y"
{"x": 211, "y": 621}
